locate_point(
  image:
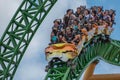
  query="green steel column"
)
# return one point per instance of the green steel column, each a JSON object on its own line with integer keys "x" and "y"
{"x": 19, "y": 33}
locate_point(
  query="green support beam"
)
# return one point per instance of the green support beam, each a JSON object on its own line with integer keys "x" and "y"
{"x": 108, "y": 51}
{"x": 19, "y": 33}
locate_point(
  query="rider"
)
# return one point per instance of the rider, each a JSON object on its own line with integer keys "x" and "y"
{"x": 55, "y": 31}
{"x": 54, "y": 38}
{"x": 78, "y": 12}
{"x": 67, "y": 17}
{"x": 69, "y": 36}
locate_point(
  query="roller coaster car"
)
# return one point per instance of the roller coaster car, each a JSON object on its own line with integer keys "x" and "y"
{"x": 61, "y": 51}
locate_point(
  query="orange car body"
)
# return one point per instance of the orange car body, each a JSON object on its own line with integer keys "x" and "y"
{"x": 62, "y": 51}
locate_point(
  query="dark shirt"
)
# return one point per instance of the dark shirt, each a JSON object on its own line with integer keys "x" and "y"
{"x": 69, "y": 37}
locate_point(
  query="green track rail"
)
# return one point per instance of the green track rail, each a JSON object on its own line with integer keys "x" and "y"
{"x": 19, "y": 33}
{"x": 108, "y": 51}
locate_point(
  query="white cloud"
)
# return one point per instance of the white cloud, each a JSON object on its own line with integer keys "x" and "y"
{"x": 7, "y": 10}
{"x": 106, "y": 68}
{"x": 33, "y": 72}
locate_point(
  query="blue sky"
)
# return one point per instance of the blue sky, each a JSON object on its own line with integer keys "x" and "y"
{"x": 33, "y": 63}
